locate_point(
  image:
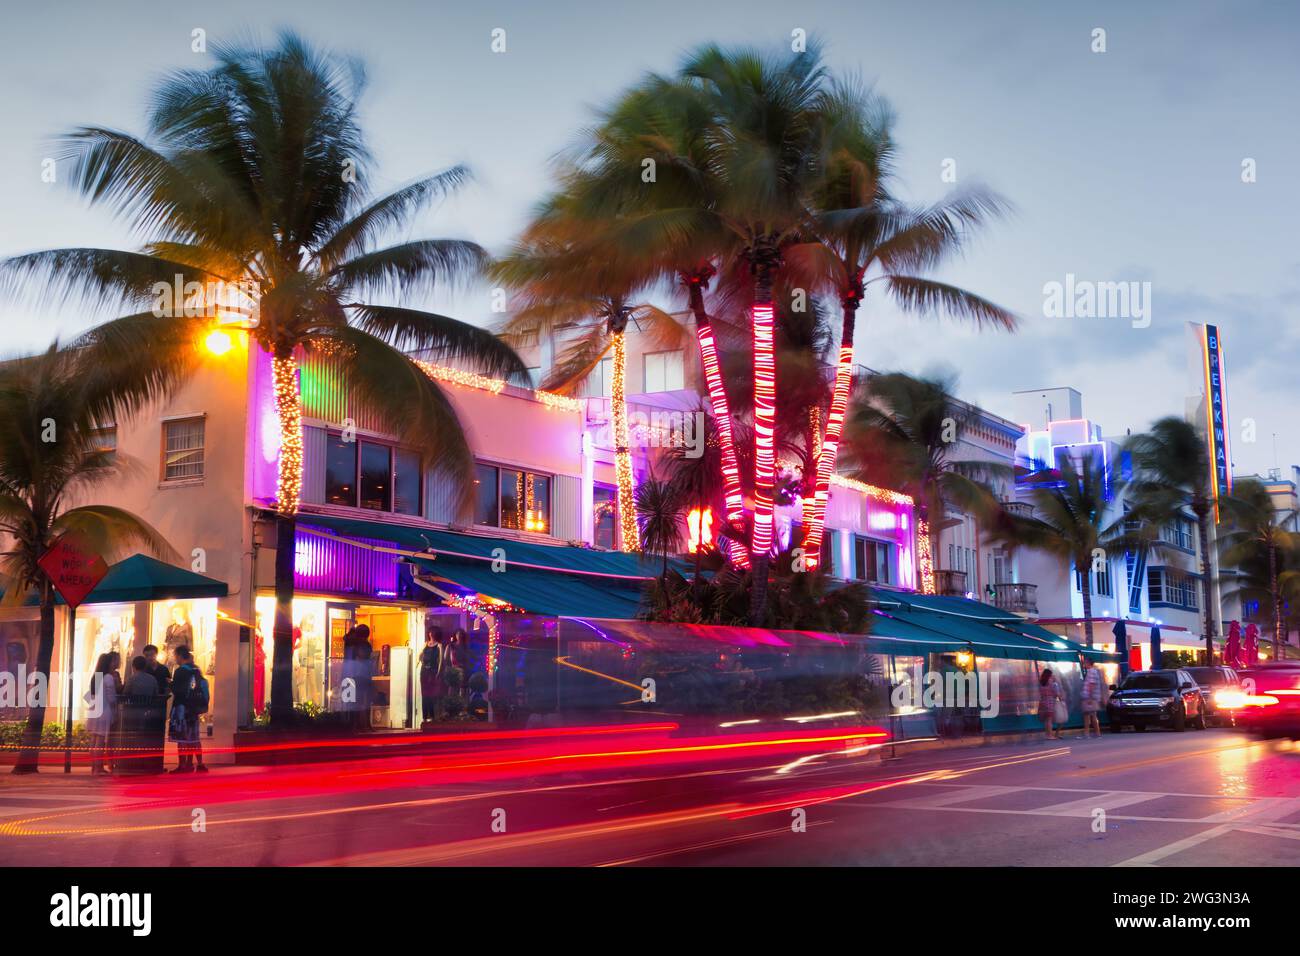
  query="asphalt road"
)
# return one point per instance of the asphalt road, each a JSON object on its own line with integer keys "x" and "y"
{"x": 1198, "y": 798}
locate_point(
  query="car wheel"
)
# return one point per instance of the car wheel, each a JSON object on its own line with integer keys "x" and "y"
{"x": 1180, "y": 720}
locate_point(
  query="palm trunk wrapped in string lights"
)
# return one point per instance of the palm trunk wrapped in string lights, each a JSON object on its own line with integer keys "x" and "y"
{"x": 812, "y": 543}
{"x": 925, "y": 555}
{"x": 288, "y": 407}
{"x": 629, "y": 533}
{"x": 732, "y": 493}
{"x": 764, "y": 427}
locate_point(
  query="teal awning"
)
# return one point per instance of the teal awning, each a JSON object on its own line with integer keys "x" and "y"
{"x": 142, "y": 578}
{"x": 553, "y": 593}
{"x": 554, "y": 580}
{"x": 990, "y": 631}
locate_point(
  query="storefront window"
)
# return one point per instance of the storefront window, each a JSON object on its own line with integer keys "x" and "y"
{"x": 308, "y": 654}
{"x": 186, "y": 623}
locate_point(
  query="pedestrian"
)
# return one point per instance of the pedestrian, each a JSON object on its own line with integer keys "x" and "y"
{"x": 1050, "y": 700}
{"x": 357, "y": 670}
{"x": 141, "y": 683}
{"x": 105, "y": 686}
{"x": 1093, "y": 697}
{"x": 158, "y": 670}
{"x": 189, "y": 701}
{"x": 431, "y": 673}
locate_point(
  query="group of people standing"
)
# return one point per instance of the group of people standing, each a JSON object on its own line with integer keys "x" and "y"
{"x": 1053, "y": 710}
{"x": 443, "y": 663}
{"x": 185, "y": 687}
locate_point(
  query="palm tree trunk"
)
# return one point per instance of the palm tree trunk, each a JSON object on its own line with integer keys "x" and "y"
{"x": 1086, "y": 588}
{"x": 1277, "y": 600}
{"x": 764, "y": 329}
{"x": 288, "y": 405}
{"x": 1202, "y": 510}
{"x": 734, "y": 496}
{"x": 630, "y": 538}
{"x": 30, "y": 755}
{"x": 925, "y": 549}
{"x": 812, "y": 546}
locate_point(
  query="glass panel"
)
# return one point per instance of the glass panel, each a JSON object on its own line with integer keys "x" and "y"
{"x": 340, "y": 471}
{"x": 406, "y": 482}
{"x": 376, "y": 477}
{"x": 537, "y": 510}
{"x": 604, "y": 527}
{"x": 183, "y": 454}
{"x": 512, "y": 499}
{"x": 485, "y": 495}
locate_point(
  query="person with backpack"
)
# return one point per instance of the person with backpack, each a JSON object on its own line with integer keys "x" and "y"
{"x": 190, "y": 698}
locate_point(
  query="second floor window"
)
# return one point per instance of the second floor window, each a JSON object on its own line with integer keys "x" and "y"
{"x": 363, "y": 474}
{"x": 600, "y": 381}
{"x": 872, "y": 561}
{"x": 512, "y": 498}
{"x": 664, "y": 372}
{"x": 183, "y": 449}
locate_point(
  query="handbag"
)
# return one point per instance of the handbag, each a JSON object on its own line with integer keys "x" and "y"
{"x": 1061, "y": 713}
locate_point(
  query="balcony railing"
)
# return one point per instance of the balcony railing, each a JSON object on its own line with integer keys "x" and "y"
{"x": 1021, "y": 509}
{"x": 951, "y": 583}
{"x": 1016, "y": 598}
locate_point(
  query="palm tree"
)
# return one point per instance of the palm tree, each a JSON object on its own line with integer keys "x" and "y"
{"x": 1069, "y": 522}
{"x": 1171, "y": 471}
{"x": 767, "y": 142}
{"x": 567, "y": 278}
{"x": 255, "y": 177}
{"x": 49, "y": 457}
{"x": 903, "y": 433}
{"x": 1253, "y": 539}
{"x": 862, "y": 235}
{"x": 659, "y": 510}
{"x": 666, "y": 223}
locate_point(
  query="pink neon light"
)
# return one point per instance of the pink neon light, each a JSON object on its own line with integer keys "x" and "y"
{"x": 764, "y": 426}
{"x": 826, "y": 460}
{"x": 735, "y": 500}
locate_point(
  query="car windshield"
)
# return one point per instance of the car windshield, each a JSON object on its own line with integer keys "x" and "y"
{"x": 1148, "y": 682}
{"x": 1208, "y": 676}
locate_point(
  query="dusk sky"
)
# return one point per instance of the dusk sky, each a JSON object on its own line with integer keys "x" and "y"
{"x": 1123, "y": 166}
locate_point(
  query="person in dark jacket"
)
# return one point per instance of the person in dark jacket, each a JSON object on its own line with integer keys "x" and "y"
{"x": 158, "y": 670}
{"x": 141, "y": 683}
{"x": 184, "y": 722}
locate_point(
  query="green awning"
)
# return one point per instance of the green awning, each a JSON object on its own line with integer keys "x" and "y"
{"x": 554, "y": 580}
{"x": 990, "y": 631}
{"x": 552, "y": 593}
{"x": 895, "y": 633}
{"x": 142, "y": 578}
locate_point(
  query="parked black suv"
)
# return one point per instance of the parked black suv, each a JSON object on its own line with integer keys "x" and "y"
{"x": 1211, "y": 681}
{"x": 1150, "y": 698}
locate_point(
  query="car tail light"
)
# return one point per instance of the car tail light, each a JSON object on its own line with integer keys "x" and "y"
{"x": 1229, "y": 699}
{"x": 1261, "y": 700}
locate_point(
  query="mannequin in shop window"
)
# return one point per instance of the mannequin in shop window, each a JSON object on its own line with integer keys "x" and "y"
{"x": 179, "y": 634}
{"x": 357, "y": 667}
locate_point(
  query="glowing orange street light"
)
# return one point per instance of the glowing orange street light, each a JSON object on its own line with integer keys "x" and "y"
{"x": 218, "y": 342}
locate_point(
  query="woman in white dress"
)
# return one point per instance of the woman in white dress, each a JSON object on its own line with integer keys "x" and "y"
{"x": 105, "y": 686}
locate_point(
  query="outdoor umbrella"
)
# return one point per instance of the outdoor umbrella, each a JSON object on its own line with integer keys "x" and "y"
{"x": 1120, "y": 630}
{"x": 1155, "y": 647}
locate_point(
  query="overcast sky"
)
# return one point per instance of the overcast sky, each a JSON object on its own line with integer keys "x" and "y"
{"x": 1124, "y": 165}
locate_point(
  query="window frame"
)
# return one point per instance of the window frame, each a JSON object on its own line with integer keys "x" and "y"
{"x": 167, "y": 423}
{"x": 392, "y": 448}
{"x": 550, "y": 477}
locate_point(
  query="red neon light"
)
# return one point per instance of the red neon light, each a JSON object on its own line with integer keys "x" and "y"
{"x": 764, "y": 426}
{"x": 735, "y": 499}
{"x": 812, "y": 547}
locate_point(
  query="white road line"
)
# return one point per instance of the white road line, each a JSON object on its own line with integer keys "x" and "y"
{"x": 1086, "y": 806}
{"x": 1269, "y": 809}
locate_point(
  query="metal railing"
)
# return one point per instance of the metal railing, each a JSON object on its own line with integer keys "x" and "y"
{"x": 1017, "y": 598}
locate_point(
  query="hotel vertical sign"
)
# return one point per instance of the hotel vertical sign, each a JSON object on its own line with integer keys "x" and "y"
{"x": 1216, "y": 414}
